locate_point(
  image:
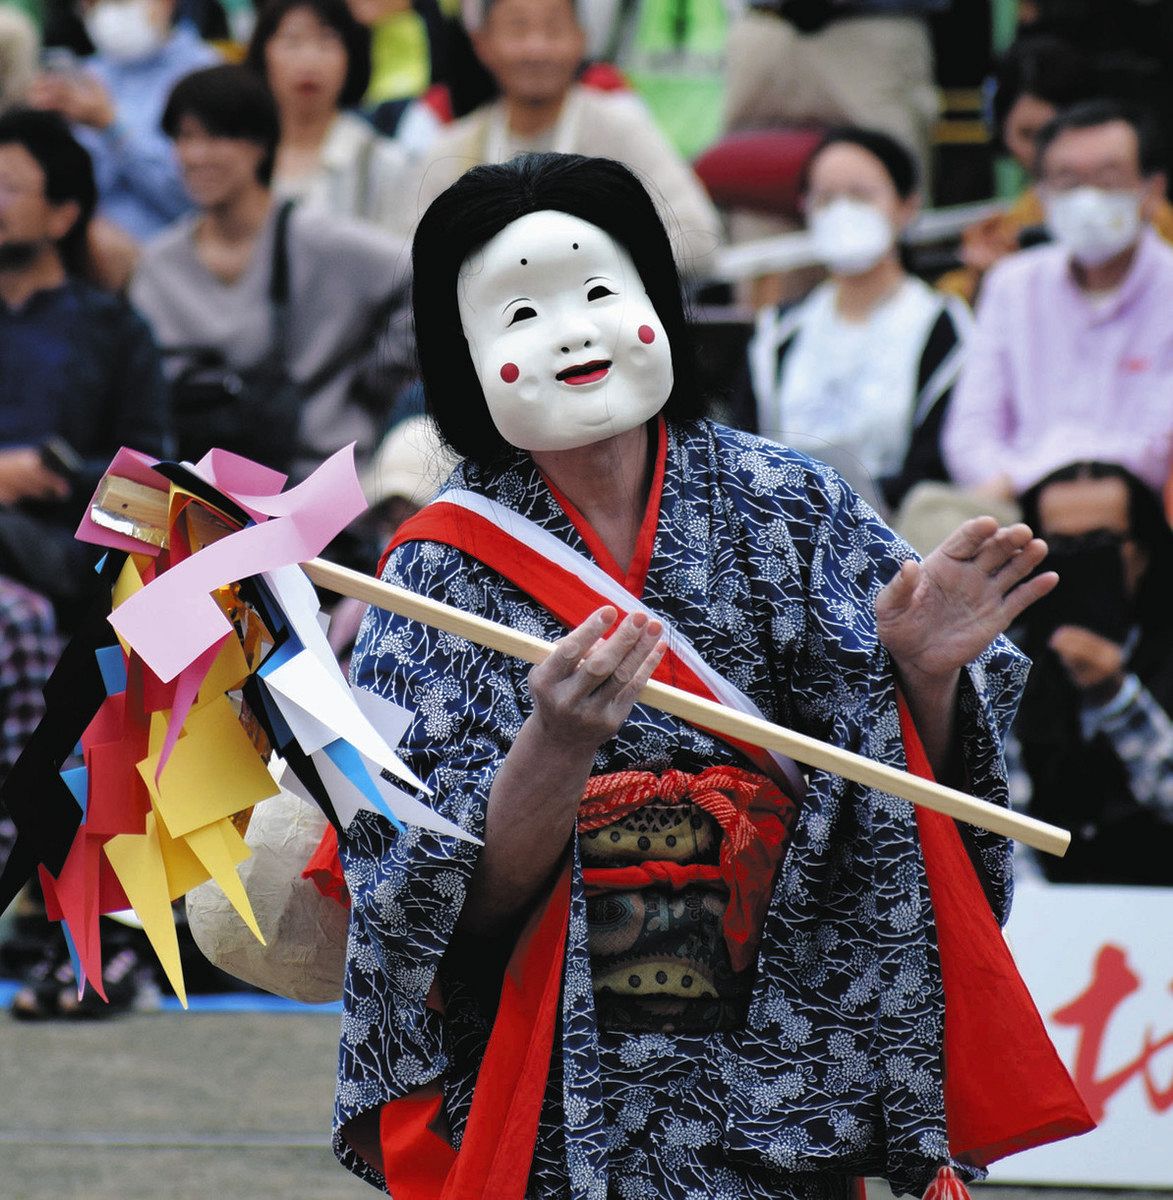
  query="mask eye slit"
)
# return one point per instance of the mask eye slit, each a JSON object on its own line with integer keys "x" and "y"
{"x": 599, "y": 291}
{"x": 524, "y": 313}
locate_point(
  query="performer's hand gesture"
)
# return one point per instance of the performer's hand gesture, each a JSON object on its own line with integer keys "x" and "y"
{"x": 584, "y": 691}
{"x": 936, "y": 616}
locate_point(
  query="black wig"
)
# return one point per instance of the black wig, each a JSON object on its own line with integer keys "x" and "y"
{"x": 474, "y": 210}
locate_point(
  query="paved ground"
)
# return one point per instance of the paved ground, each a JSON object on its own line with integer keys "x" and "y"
{"x": 170, "y": 1106}
{"x": 174, "y": 1106}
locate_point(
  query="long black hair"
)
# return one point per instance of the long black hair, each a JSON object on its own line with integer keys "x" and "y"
{"x": 474, "y": 210}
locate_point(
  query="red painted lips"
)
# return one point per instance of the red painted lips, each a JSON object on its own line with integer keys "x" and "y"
{"x": 590, "y": 372}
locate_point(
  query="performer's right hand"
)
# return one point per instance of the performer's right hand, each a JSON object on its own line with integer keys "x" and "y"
{"x": 585, "y": 690}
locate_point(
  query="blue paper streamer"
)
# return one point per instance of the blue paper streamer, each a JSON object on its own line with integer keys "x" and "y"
{"x": 77, "y": 779}
{"x": 348, "y": 760}
{"x": 112, "y": 664}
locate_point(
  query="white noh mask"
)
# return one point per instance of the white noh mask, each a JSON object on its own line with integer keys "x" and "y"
{"x": 562, "y": 335}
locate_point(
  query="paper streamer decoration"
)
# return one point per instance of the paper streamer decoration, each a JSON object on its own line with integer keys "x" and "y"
{"x": 201, "y": 674}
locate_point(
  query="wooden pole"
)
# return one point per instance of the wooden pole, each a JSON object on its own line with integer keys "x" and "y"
{"x": 814, "y": 753}
{"x": 144, "y": 511}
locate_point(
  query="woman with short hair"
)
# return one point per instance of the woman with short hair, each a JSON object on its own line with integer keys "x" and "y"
{"x": 316, "y": 59}
{"x": 861, "y": 370}
{"x": 206, "y": 286}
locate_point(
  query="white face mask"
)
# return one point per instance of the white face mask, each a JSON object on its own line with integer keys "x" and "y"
{"x": 564, "y": 340}
{"x": 123, "y": 31}
{"x": 849, "y": 236}
{"x": 1094, "y": 224}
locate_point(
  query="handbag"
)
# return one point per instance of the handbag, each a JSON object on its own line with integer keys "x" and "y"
{"x": 254, "y": 411}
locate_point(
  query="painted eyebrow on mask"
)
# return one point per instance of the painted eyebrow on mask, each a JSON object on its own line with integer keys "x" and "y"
{"x": 518, "y": 300}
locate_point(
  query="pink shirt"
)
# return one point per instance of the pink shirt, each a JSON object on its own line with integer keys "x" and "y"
{"x": 1054, "y": 377}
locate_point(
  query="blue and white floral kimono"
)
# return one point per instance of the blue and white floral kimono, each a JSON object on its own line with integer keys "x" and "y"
{"x": 770, "y": 565}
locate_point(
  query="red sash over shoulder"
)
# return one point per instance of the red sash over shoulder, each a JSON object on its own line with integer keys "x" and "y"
{"x": 1005, "y": 1087}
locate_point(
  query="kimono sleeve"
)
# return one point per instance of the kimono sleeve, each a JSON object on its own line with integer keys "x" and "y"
{"x": 855, "y": 555}
{"x": 407, "y": 888}
{"x": 843, "y": 680}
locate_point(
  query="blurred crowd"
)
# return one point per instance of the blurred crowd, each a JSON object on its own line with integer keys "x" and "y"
{"x": 206, "y": 214}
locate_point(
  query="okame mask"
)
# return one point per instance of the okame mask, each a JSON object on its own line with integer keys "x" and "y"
{"x": 564, "y": 340}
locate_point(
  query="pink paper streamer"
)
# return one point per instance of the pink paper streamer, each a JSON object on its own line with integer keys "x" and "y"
{"x": 137, "y": 467}
{"x": 240, "y": 478}
{"x": 173, "y": 620}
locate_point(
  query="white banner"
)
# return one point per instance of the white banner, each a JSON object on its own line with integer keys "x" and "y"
{"x": 1099, "y": 964}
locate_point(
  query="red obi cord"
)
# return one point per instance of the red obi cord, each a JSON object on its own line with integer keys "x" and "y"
{"x": 498, "y": 1144}
{"x": 755, "y": 819}
{"x": 1005, "y": 1088}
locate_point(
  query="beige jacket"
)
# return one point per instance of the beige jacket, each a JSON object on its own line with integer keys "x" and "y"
{"x": 602, "y": 124}
{"x": 361, "y": 174}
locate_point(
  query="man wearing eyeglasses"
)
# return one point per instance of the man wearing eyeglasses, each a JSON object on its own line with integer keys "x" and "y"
{"x": 1072, "y": 357}
{"x": 1092, "y": 746}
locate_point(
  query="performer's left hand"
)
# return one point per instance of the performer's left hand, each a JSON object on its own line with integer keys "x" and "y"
{"x": 936, "y": 616}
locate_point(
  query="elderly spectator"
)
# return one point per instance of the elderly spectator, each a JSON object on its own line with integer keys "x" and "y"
{"x": 316, "y": 59}
{"x": 79, "y": 373}
{"x": 534, "y": 49}
{"x": 206, "y": 287}
{"x": 1072, "y": 355}
{"x": 826, "y": 62}
{"x": 1095, "y": 729}
{"x": 115, "y": 102}
{"x": 863, "y": 368}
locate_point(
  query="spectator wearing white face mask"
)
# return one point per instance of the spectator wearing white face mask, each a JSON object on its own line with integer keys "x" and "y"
{"x": 862, "y": 369}
{"x": 114, "y": 102}
{"x": 1072, "y": 356}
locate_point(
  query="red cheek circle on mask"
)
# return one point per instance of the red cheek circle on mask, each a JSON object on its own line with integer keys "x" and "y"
{"x": 509, "y": 372}
{"x": 646, "y": 334}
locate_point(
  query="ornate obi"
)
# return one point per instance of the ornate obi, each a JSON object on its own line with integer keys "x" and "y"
{"x": 678, "y": 870}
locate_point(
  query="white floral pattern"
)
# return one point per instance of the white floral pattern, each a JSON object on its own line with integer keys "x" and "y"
{"x": 770, "y": 565}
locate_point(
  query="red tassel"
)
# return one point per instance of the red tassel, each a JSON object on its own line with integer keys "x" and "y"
{"x": 947, "y": 1186}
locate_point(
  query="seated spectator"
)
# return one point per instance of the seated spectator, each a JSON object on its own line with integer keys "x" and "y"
{"x": 79, "y": 373}
{"x": 865, "y": 365}
{"x": 316, "y": 59}
{"x": 1072, "y": 354}
{"x": 1094, "y": 732}
{"x": 79, "y": 377}
{"x": 824, "y": 62}
{"x": 534, "y": 49}
{"x": 1036, "y": 78}
{"x": 410, "y": 56}
{"x": 205, "y": 287}
{"x": 114, "y": 103}
{"x": 401, "y": 67}
{"x": 673, "y": 51}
